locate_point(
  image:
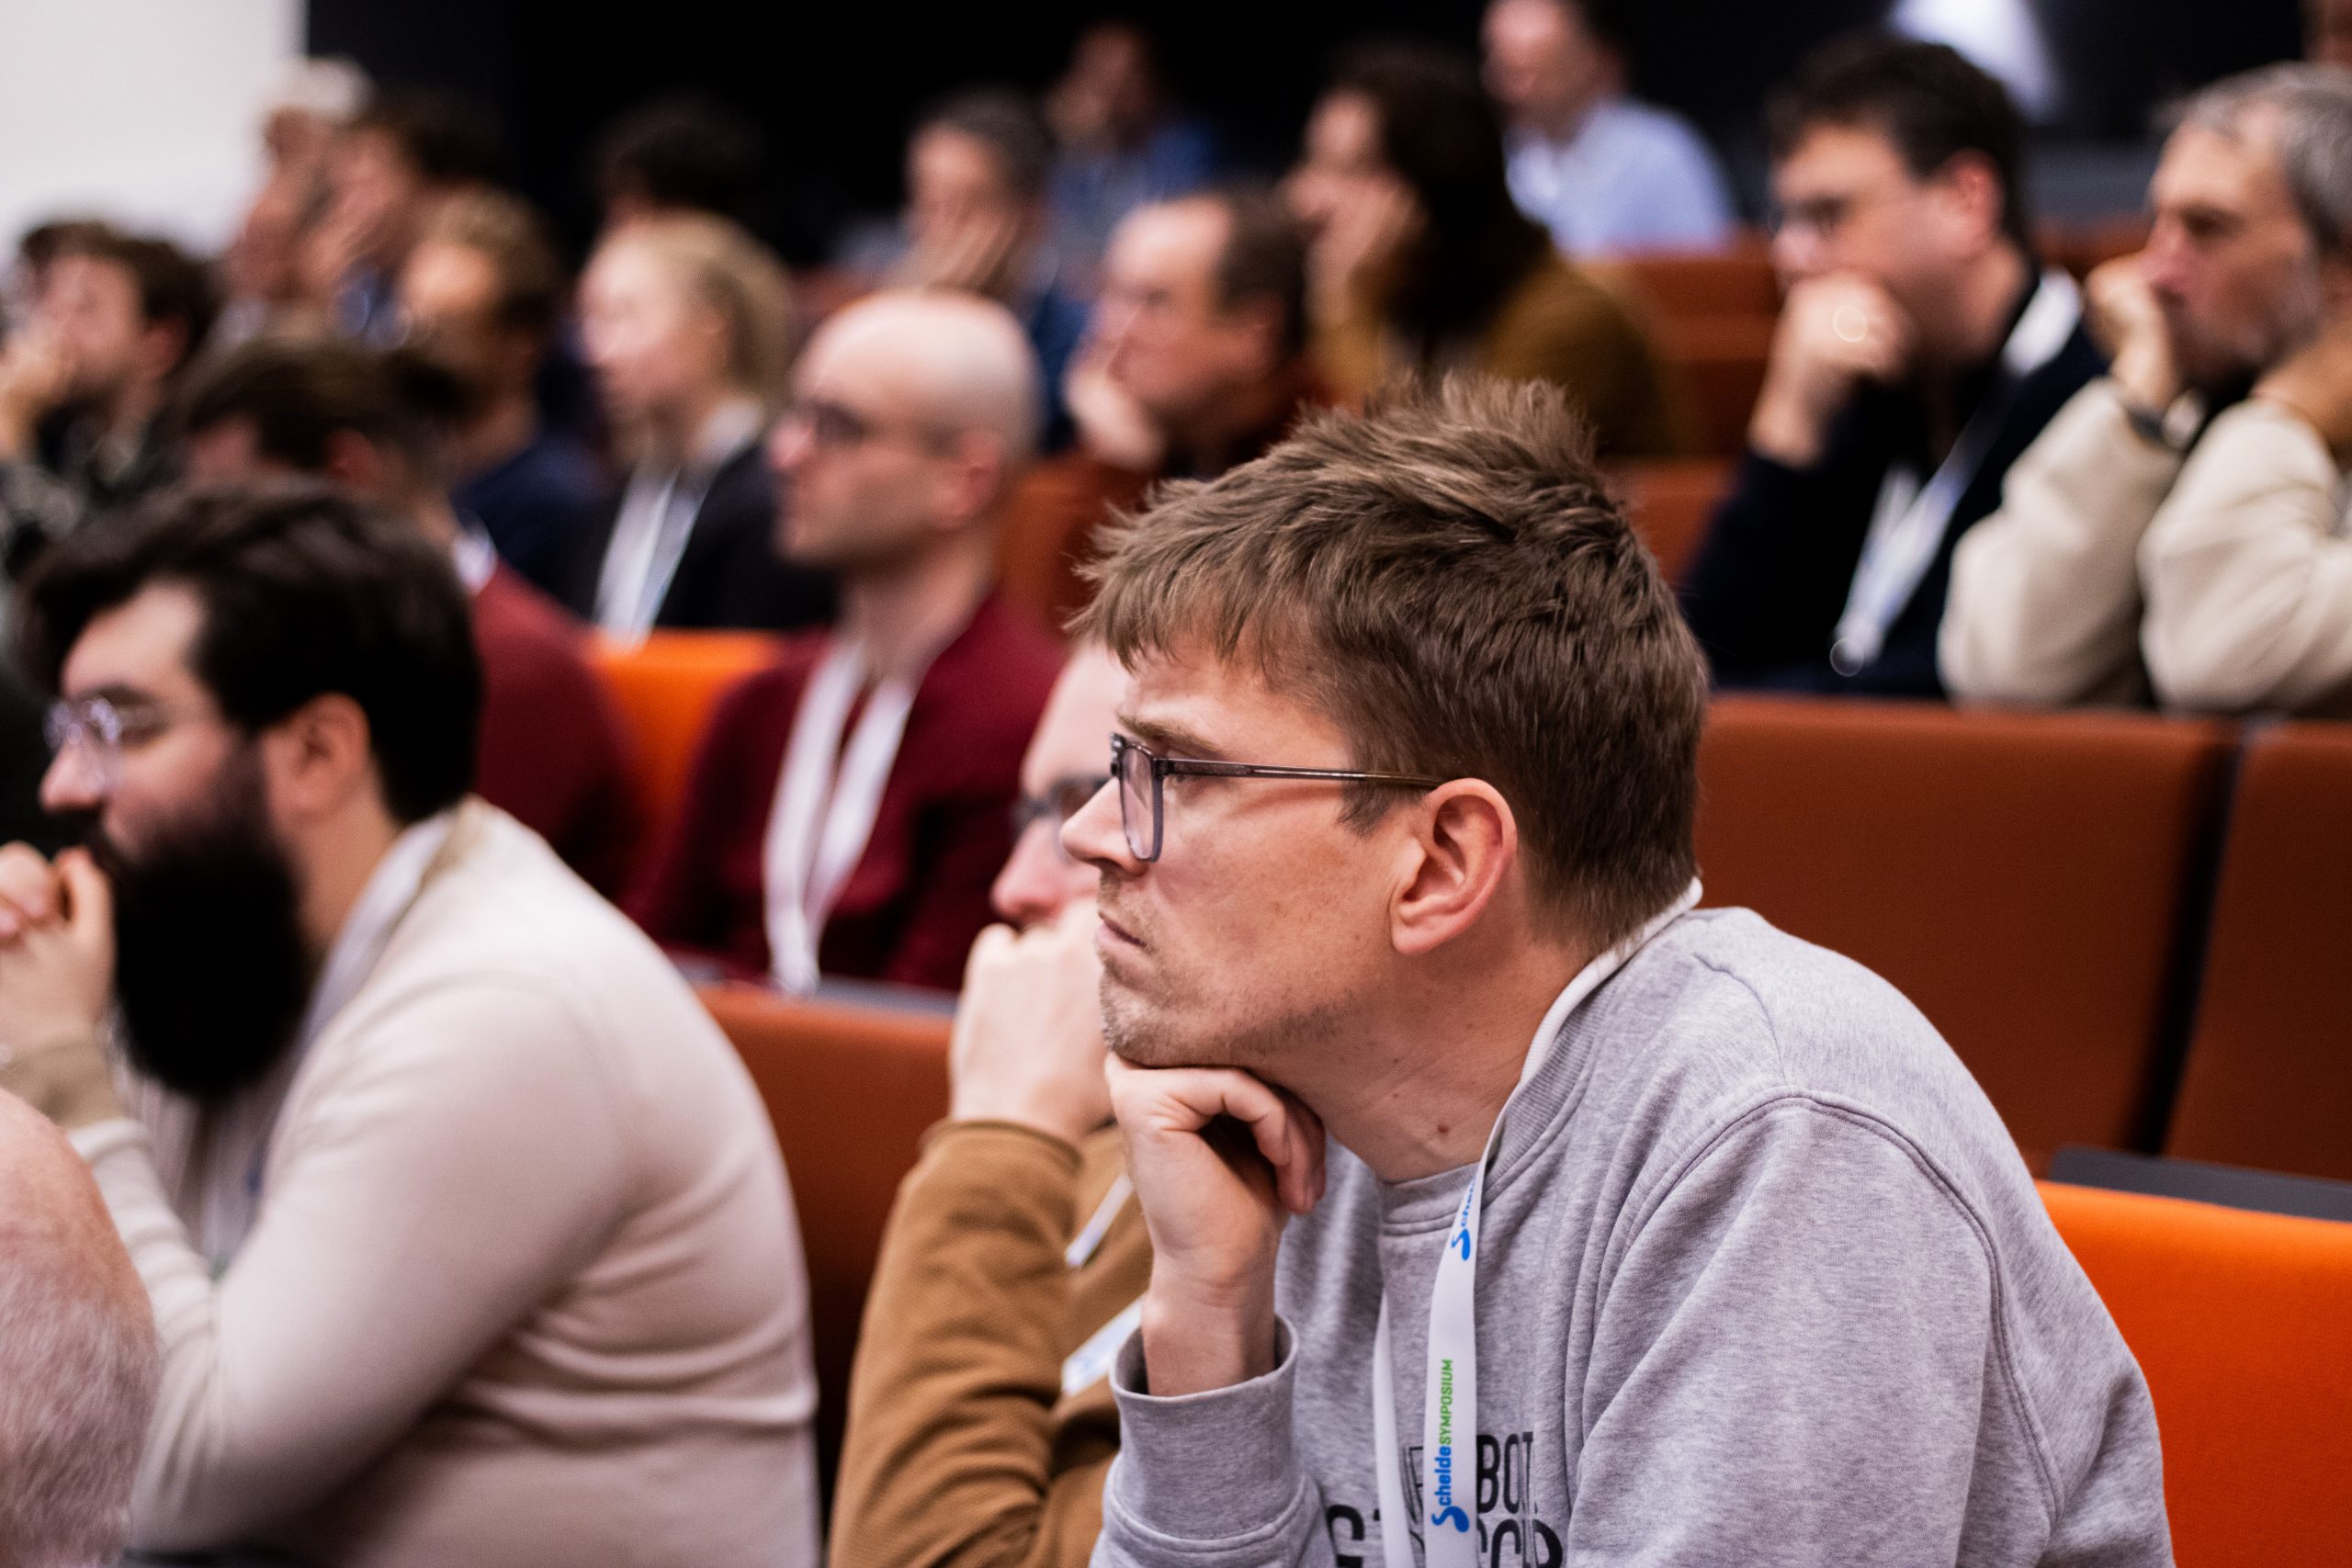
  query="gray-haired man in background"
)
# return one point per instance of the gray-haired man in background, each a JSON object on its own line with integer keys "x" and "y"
{"x": 2146, "y": 545}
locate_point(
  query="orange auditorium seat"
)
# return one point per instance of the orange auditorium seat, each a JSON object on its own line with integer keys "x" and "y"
{"x": 1049, "y": 521}
{"x": 2238, "y": 1322}
{"x": 665, "y": 687}
{"x": 1669, "y": 504}
{"x": 1685, "y": 286}
{"x": 2027, "y": 880}
{"x": 1720, "y": 363}
{"x": 2268, "y": 1079}
{"x": 850, "y": 1090}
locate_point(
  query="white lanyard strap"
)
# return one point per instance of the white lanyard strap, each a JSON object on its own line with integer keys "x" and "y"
{"x": 1449, "y": 1408}
{"x": 826, "y": 802}
{"x": 1908, "y": 523}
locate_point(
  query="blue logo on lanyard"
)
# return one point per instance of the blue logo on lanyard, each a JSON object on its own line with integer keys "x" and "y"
{"x": 1462, "y": 1240}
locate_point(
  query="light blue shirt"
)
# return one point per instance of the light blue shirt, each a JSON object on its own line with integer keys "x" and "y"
{"x": 1633, "y": 178}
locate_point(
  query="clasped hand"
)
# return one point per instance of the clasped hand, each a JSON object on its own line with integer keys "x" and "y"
{"x": 56, "y": 947}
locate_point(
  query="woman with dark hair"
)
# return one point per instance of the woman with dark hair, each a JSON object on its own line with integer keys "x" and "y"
{"x": 1421, "y": 262}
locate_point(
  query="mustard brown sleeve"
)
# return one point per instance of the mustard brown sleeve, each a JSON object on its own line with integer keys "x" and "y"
{"x": 959, "y": 1449}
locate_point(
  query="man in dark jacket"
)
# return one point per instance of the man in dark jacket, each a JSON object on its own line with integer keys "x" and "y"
{"x": 1918, "y": 354}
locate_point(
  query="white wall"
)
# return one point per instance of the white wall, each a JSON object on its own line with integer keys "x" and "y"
{"x": 144, "y": 111}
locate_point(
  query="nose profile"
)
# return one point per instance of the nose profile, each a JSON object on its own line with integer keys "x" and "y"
{"x": 1029, "y": 890}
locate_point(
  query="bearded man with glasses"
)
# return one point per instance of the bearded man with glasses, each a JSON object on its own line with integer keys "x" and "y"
{"x": 463, "y": 1227}
{"x": 1503, "y": 1207}
{"x": 849, "y": 804}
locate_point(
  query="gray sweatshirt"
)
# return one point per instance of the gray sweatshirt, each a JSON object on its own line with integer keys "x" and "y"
{"x": 1761, "y": 1279}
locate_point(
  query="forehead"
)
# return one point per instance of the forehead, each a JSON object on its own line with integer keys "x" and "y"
{"x": 1179, "y": 241}
{"x": 1073, "y": 735}
{"x": 1346, "y": 128}
{"x": 86, "y": 278}
{"x": 1829, "y": 157}
{"x": 2236, "y": 170}
{"x": 944, "y": 155}
{"x": 1188, "y": 699}
{"x": 1527, "y": 24}
{"x": 450, "y": 277}
{"x": 627, "y": 270}
{"x": 141, "y": 645}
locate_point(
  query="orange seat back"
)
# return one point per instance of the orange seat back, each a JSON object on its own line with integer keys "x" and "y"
{"x": 665, "y": 688}
{"x": 1720, "y": 361}
{"x": 2027, "y": 880}
{"x": 851, "y": 1091}
{"x": 1047, "y": 533}
{"x": 2239, "y": 1322}
{"x": 1688, "y": 286}
{"x": 1669, "y": 504}
{"x": 2268, "y": 1079}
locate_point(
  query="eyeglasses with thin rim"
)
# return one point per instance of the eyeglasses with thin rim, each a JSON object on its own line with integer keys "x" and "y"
{"x": 1141, "y": 773}
{"x": 93, "y": 733}
{"x": 1063, "y": 799}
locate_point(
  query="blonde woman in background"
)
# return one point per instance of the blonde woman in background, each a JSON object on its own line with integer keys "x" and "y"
{"x": 686, "y": 324}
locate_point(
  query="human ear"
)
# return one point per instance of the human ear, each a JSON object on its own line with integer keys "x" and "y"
{"x": 355, "y": 462}
{"x": 1463, "y": 846}
{"x": 318, "y": 756}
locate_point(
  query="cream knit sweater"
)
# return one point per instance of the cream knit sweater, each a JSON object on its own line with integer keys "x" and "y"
{"x": 525, "y": 1285}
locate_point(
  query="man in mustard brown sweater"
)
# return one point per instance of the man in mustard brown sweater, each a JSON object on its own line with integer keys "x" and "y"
{"x": 980, "y": 1422}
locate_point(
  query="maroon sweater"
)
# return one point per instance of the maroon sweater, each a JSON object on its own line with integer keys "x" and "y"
{"x": 553, "y": 754}
{"x": 919, "y": 894}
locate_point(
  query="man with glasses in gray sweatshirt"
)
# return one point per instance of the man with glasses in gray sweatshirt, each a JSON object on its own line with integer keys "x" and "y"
{"x": 1504, "y": 1211}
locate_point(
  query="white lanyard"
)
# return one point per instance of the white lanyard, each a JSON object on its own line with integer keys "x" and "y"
{"x": 657, "y": 518}
{"x": 1450, "y": 1420}
{"x": 1907, "y": 526}
{"x": 240, "y": 1139}
{"x": 825, "y": 805}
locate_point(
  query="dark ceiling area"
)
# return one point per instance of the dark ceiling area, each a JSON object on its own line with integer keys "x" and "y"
{"x": 835, "y": 86}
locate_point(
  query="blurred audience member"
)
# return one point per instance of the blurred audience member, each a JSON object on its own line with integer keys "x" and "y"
{"x": 264, "y": 270}
{"x": 483, "y": 294}
{"x": 1120, "y": 143}
{"x": 36, "y": 251}
{"x": 1918, "y": 354}
{"x": 1013, "y": 1257}
{"x": 82, "y": 389}
{"x": 552, "y": 749}
{"x": 1420, "y": 263}
{"x": 464, "y": 1227}
{"x": 849, "y": 806}
{"x": 2136, "y": 539}
{"x": 977, "y": 170}
{"x": 1605, "y": 174}
{"x": 78, "y": 1358}
{"x": 315, "y": 104}
{"x": 1197, "y": 353}
{"x": 681, "y": 154}
{"x": 404, "y": 154}
{"x": 687, "y": 324}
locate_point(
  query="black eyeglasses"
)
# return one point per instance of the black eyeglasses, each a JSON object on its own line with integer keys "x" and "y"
{"x": 1063, "y": 799}
{"x": 1139, "y": 772}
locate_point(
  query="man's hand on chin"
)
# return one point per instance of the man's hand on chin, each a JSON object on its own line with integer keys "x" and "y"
{"x": 56, "y": 971}
{"x": 1220, "y": 1161}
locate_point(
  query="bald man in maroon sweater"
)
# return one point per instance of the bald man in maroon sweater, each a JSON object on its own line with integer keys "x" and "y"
{"x": 850, "y": 804}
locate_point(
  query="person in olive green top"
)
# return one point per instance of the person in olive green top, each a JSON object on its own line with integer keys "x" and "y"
{"x": 1421, "y": 263}
{"x": 980, "y": 1422}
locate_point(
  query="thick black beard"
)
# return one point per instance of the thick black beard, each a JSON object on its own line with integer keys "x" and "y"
{"x": 212, "y": 972}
